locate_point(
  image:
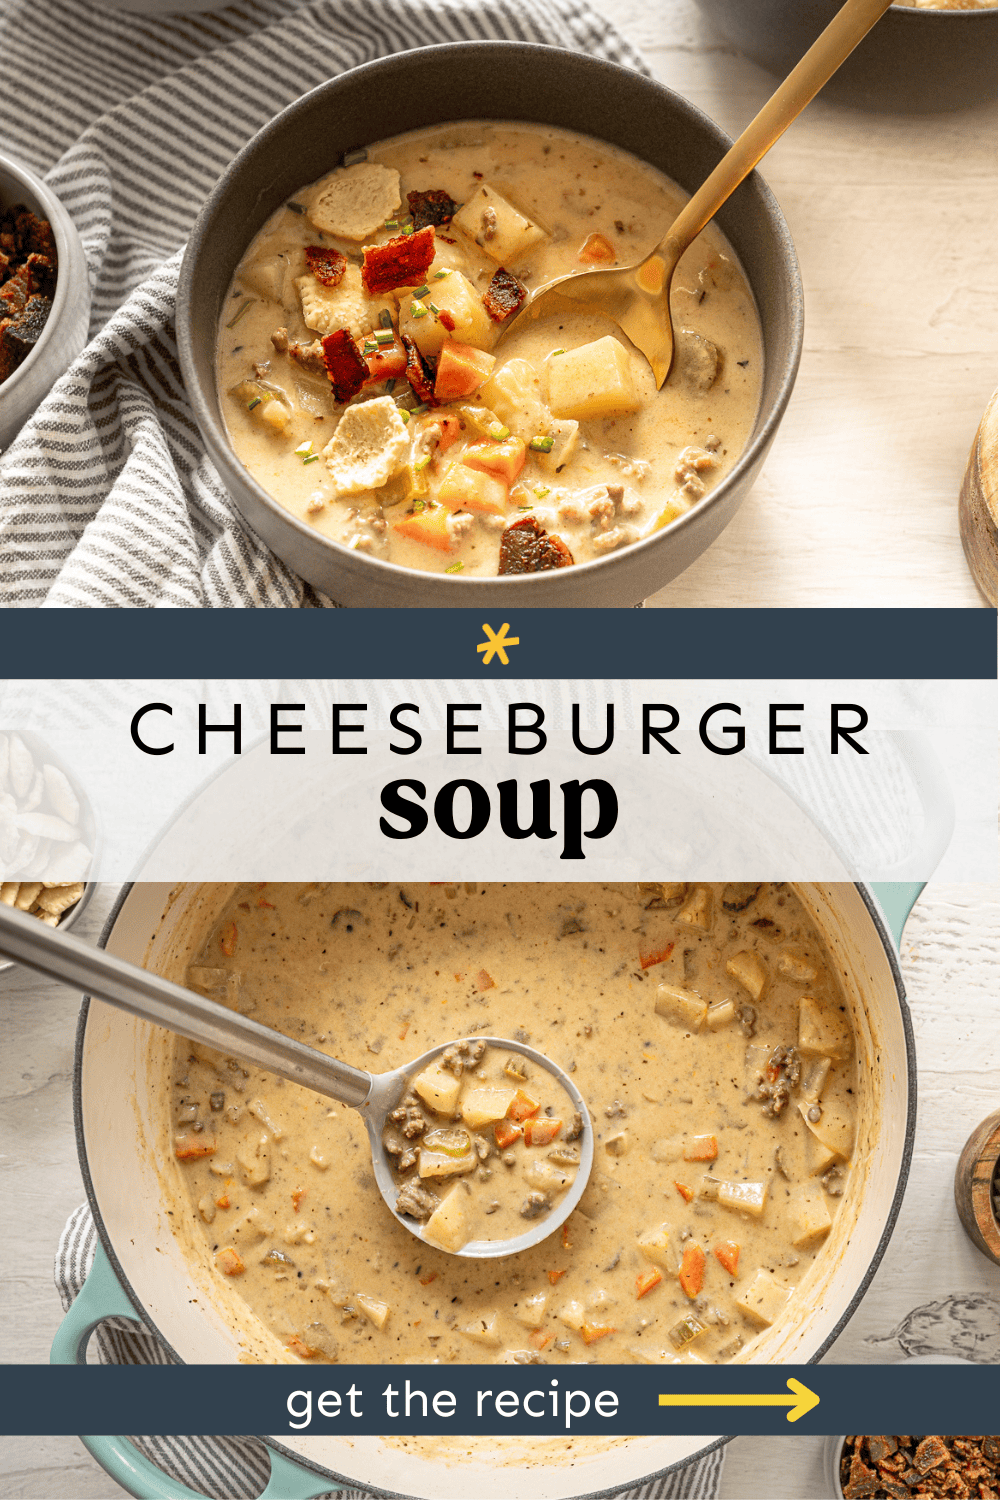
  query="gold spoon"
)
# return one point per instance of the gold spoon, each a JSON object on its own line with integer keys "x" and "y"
{"x": 637, "y": 297}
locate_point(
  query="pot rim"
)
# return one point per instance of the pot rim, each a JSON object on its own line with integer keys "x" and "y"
{"x": 889, "y": 948}
{"x": 217, "y": 442}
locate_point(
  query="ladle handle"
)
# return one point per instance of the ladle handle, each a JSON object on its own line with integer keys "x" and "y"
{"x": 849, "y": 26}
{"x": 65, "y": 958}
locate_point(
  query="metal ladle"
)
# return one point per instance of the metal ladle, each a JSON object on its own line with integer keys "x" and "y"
{"x": 66, "y": 959}
{"x": 637, "y": 297}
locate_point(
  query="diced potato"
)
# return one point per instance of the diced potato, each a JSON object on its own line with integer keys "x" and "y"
{"x": 448, "y": 1226}
{"x": 822, "y": 1029}
{"x": 564, "y": 435}
{"x": 375, "y": 1311}
{"x": 650, "y": 1356}
{"x": 514, "y": 393}
{"x": 496, "y": 226}
{"x": 812, "y": 1219}
{"x": 697, "y": 909}
{"x": 796, "y": 967}
{"x": 573, "y": 1314}
{"x": 436, "y": 1161}
{"x": 722, "y": 1013}
{"x": 749, "y": 970}
{"x": 814, "y": 1078}
{"x": 429, "y": 527}
{"x": 745, "y": 1197}
{"x": 484, "y": 1106}
{"x": 596, "y": 1196}
{"x": 484, "y": 1331}
{"x": 503, "y": 459}
{"x": 530, "y": 1311}
{"x": 818, "y": 1157}
{"x": 834, "y": 1129}
{"x": 758, "y": 1055}
{"x": 548, "y": 1176}
{"x": 594, "y": 380}
{"x": 458, "y": 298}
{"x": 764, "y": 1299}
{"x": 461, "y": 371}
{"x": 657, "y": 1244}
{"x": 681, "y": 1007}
{"x": 439, "y": 1088}
{"x": 254, "y": 1157}
{"x": 463, "y": 488}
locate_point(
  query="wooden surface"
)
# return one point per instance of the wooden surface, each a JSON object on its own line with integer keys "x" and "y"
{"x": 894, "y": 220}
{"x": 951, "y": 948}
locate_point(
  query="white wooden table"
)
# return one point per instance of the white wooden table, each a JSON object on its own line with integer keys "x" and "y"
{"x": 894, "y": 220}
{"x": 951, "y": 952}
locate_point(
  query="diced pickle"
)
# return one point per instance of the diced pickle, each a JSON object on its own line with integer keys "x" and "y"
{"x": 686, "y": 1331}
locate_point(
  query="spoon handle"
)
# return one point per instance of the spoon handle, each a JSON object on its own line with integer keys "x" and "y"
{"x": 65, "y": 958}
{"x": 848, "y": 27}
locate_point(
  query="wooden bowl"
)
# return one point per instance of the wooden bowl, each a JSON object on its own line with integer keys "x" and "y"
{"x": 977, "y": 506}
{"x": 973, "y": 1187}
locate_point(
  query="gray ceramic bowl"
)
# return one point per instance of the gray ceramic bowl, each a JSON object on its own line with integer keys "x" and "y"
{"x": 914, "y": 60}
{"x": 507, "y": 81}
{"x": 65, "y": 332}
{"x": 834, "y": 1446}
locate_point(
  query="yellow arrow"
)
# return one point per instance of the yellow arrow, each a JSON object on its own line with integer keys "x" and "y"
{"x": 799, "y": 1402}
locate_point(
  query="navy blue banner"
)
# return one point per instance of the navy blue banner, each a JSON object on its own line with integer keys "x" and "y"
{"x": 486, "y": 1400}
{"x": 528, "y": 643}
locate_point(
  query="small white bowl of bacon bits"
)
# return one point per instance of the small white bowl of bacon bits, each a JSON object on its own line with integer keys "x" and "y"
{"x": 47, "y": 833}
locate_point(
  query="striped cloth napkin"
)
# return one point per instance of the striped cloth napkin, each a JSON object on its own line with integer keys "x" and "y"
{"x": 228, "y": 1468}
{"x": 107, "y": 497}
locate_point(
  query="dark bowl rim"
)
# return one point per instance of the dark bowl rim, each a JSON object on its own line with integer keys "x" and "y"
{"x": 216, "y": 440}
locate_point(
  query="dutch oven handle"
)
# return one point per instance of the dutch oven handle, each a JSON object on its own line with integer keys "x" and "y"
{"x": 897, "y": 899}
{"x": 102, "y": 1297}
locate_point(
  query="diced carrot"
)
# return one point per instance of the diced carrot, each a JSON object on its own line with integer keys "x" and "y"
{"x": 506, "y": 1133}
{"x": 402, "y": 1034}
{"x": 187, "y": 1147}
{"x": 463, "y": 488}
{"x": 227, "y": 939}
{"x": 538, "y": 1339}
{"x": 484, "y": 981}
{"x": 686, "y": 1193}
{"x": 461, "y": 370}
{"x": 727, "y": 1253}
{"x": 426, "y": 1280}
{"x": 428, "y": 526}
{"x": 229, "y": 1263}
{"x": 555, "y": 1275}
{"x": 298, "y": 1347}
{"x": 297, "y": 1196}
{"x": 650, "y": 954}
{"x": 541, "y": 1132}
{"x": 522, "y": 1107}
{"x": 504, "y": 460}
{"x": 565, "y": 1238}
{"x": 692, "y": 1272}
{"x": 450, "y": 429}
{"x": 386, "y": 363}
{"x": 596, "y": 249}
{"x": 269, "y": 904}
{"x": 646, "y": 1280}
{"x": 222, "y": 1201}
{"x": 700, "y": 1148}
{"x": 591, "y": 1332}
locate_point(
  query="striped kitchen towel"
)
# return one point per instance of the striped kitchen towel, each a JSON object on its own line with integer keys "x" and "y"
{"x": 228, "y": 1468}
{"x": 107, "y": 497}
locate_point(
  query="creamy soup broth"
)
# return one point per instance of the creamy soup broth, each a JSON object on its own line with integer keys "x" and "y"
{"x": 635, "y": 462}
{"x": 705, "y": 1027}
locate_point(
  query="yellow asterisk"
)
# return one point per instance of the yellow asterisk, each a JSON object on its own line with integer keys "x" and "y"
{"x": 495, "y": 643}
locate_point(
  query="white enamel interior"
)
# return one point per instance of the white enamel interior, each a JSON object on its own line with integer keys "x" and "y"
{"x": 125, "y": 1123}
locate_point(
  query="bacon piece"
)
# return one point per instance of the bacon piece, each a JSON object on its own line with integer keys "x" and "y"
{"x": 417, "y": 373}
{"x": 403, "y": 261}
{"x": 526, "y": 547}
{"x": 432, "y": 207}
{"x": 503, "y": 296}
{"x": 344, "y": 365}
{"x": 326, "y": 264}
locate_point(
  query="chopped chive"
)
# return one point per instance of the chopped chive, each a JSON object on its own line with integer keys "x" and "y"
{"x": 370, "y": 347}
{"x": 385, "y": 318}
{"x": 239, "y": 313}
{"x": 392, "y": 223}
{"x": 498, "y": 432}
{"x": 558, "y": 351}
{"x": 439, "y": 275}
{"x": 541, "y": 491}
{"x": 542, "y": 444}
{"x": 351, "y": 158}
{"x": 403, "y": 413}
{"x": 384, "y": 336}
{"x": 311, "y": 458}
{"x": 253, "y": 403}
{"x": 421, "y": 291}
{"x": 303, "y": 448}
{"x": 417, "y": 411}
{"x": 434, "y": 310}
{"x": 455, "y": 567}
{"x": 407, "y": 228}
{"x": 419, "y": 505}
{"x": 390, "y": 385}
{"x": 418, "y": 310}
{"x": 525, "y": 507}
{"x": 297, "y": 208}
{"x": 422, "y": 463}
